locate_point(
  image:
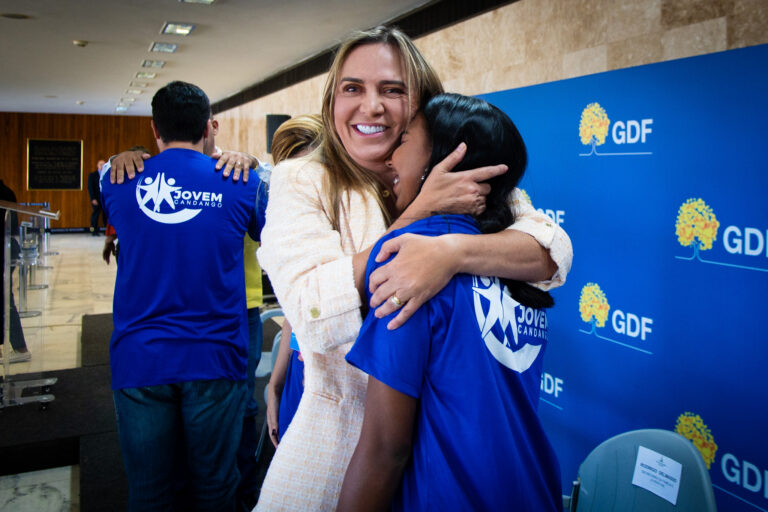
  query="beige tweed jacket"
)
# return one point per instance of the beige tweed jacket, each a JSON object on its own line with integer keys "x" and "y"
{"x": 310, "y": 268}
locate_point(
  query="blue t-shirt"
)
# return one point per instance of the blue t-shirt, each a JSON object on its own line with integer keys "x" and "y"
{"x": 473, "y": 358}
{"x": 179, "y": 308}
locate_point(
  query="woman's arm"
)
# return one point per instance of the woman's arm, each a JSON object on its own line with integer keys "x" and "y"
{"x": 444, "y": 191}
{"x": 277, "y": 382}
{"x": 376, "y": 468}
{"x": 128, "y": 163}
{"x": 535, "y": 249}
{"x": 309, "y": 264}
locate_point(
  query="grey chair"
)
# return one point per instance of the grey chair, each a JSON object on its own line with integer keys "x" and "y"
{"x": 605, "y": 476}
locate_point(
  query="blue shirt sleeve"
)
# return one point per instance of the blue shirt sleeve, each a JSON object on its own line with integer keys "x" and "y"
{"x": 398, "y": 358}
{"x": 259, "y": 215}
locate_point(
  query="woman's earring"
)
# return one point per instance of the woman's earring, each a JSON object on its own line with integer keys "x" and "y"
{"x": 424, "y": 175}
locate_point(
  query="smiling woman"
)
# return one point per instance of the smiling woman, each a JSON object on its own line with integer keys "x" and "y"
{"x": 327, "y": 210}
{"x": 371, "y": 108}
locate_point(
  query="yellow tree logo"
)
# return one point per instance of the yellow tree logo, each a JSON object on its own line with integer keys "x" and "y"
{"x": 696, "y": 226}
{"x": 691, "y": 427}
{"x": 593, "y": 127}
{"x": 593, "y": 306}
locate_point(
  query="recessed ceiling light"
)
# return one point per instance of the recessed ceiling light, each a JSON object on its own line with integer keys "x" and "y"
{"x": 176, "y": 28}
{"x": 163, "y": 47}
{"x": 153, "y": 63}
{"x": 80, "y": 102}
{"x": 127, "y": 100}
{"x": 133, "y": 91}
{"x": 145, "y": 75}
{"x": 205, "y": 2}
{"x": 139, "y": 84}
{"x": 51, "y": 96}
{"x": 80, "y": 43}
{"x": 121, "y": 108}
{"x": 15, "y": 16}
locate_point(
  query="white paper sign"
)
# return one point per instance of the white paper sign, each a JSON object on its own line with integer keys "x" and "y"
{"x": 658, "y": 474}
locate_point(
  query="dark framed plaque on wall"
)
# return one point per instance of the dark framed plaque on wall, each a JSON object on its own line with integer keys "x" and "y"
{"x": 54, "y": 164}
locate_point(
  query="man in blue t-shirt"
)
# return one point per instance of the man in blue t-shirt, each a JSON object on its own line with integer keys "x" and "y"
{"x": 452, "y": 400}
{"x": 179, "y": 348}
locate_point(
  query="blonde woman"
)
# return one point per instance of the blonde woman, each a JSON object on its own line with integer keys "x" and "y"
{"x": 325, "y": 212}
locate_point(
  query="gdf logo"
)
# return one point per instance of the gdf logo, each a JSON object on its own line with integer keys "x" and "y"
{"x": 735, "y": 470}
{"x": 697, "y": 226}
{"x": 556, "y": 215}
{"x": 595, "y": 127}
{"x": 594, "y": 309}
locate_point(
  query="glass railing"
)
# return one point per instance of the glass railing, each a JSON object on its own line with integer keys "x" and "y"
{"x": 25, "y": 250}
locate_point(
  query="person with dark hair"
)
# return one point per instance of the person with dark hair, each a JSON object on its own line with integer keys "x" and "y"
{"x": 451, "y": 407}
{"x": 179, "y": 349}
{"x": 94, "y": 194}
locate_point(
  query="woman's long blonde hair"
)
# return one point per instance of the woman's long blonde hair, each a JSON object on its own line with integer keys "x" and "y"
{"x": 296, "y": 135}
{"x": 344, "y": 174}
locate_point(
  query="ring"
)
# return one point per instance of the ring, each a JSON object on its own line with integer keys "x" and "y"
{"x": 397, "y": 302}
{"x": 239, "y": 163}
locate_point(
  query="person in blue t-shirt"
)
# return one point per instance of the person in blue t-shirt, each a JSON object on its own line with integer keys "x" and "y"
{"x": 178, "y": 352}
{"x": 451, "y": 408}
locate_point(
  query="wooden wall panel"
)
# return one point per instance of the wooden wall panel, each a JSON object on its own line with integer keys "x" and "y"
{"x": 102, "y": 137}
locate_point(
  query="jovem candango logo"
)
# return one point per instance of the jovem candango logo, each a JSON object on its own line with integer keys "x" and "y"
{"x": 513, "y": 333}
{"x": 697, "y": 227}
{"x": 595, "y": 126}
{"x": 594, "y": 309}
{"x": 164, "y": 197}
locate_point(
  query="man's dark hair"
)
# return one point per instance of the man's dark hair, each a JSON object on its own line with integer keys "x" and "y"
{"x": 492, "y": 138}
{"x": 180, "y": 111}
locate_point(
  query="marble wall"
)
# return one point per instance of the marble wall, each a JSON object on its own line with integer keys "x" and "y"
{"x": 536, "y": 41}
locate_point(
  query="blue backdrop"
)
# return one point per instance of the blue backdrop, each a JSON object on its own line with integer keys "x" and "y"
{"x": 659, "y": 174}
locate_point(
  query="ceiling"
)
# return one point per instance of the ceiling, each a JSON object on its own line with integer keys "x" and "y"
{"x": 235, "y": 44}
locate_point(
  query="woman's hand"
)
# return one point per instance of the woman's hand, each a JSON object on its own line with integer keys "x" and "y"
{"x": 454, "y": 192}
{"x": 240, "y": 162}
{"x": 109, "y": 248}
{"x": 408, "y": 277}
{"x": 273, "y": 409}
{"x": 127, "y": 162}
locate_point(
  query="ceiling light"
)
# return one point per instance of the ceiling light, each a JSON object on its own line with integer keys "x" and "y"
{"x": 51, "y": 96}
{"x": 80, "y": 102}
{"x": 206, "y": 2}
{"x": 163, "y": 47}
{"x": 145, "y": 75}
{"x": 127, "y": 100}
{"x": 152, "y": 64}
{"x": 133, "y": 91}
{"x": 15, "y": 16}
{"x": 139, "y": 84}
{"x": 177, "y": 29}
{"x": 80, "y": 43}
{"x": 121, "y": 108}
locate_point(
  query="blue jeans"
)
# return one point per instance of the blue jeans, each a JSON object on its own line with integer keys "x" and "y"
{"x": 173, "y": 433}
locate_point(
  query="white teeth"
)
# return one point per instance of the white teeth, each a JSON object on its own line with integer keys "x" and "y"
{"x": 368, "y": 130}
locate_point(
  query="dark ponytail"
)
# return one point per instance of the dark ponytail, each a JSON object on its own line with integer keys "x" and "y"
{"x": 492, "y": 138}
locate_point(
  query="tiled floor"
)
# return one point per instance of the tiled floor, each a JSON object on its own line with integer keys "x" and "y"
{"x": 79, "y": 282}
